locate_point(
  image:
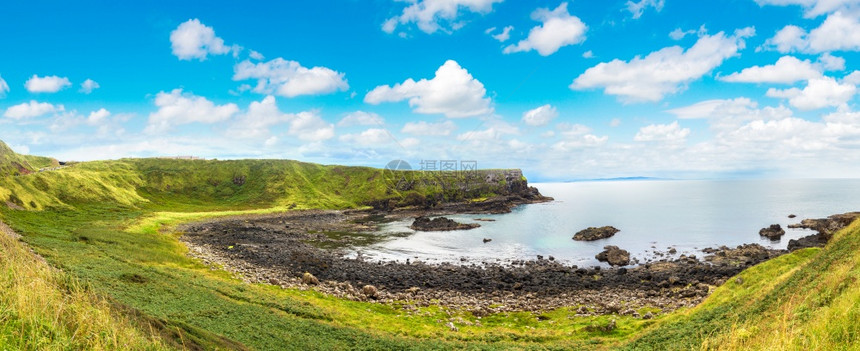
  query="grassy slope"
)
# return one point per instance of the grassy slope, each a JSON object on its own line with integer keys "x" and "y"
{"x": 807, "y": 300}
{"x": 43, "y": 308}
{"x": 12, "y": 163}
{"x": 107, "y": 225}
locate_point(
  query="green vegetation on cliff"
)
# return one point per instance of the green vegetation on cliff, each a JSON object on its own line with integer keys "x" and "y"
{"x": 124, "y": 277}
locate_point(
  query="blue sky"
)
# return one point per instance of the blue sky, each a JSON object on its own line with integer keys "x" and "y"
{"x": 564, "y": 90}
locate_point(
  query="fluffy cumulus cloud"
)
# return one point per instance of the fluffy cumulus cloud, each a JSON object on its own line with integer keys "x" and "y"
{"x": 88, "y": 86}
{"x": 309, "y": 126}
{"x": 257, "y": 121}
{"x": 672, "y": 133}
{"x": 818, "y": 93}
{"x": 47, "y": 84}
{"x": 813, "y": 8}
{"x": 662, "y": 72}
{"x": 194, "y": 40}
{"x": 31, "y": 109}
{"x": 361, "y": 118}
{"x": 452, "y": 92}
{"x": 638, "y": 8}
{"x": 432, "y": 15}
{"x": 178, "y": 108}
{"x": 4, "y": 88}
{"x": 289, "y": 78}
{"x": 839, "y": 32}
{"x": 97, "y": 117}
{"x": 558, "y": 28}
{"x": 786, "y": 70}
{"x": 430, "y": 129}
{"x": 370, "y": 137}
{"x": 540, "y": 116}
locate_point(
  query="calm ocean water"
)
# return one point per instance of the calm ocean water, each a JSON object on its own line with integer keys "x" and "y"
{"x": 686, "y": 215}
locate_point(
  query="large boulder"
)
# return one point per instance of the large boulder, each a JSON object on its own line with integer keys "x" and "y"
{"x": 440, "y": 224}
{"x": 595, "y": 233}
{"x": 614, "y": 256}
{"x": 774, "y": 232}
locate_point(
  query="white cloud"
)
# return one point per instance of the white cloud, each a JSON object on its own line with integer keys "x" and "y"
{"x": 194, "y": 40}
{"x": 558, "y": 29}
{"x": 178, "y": 108}
{"x": 818, "y": 93}
{"x": 309, "y": 126}
{"x": 853, "y": 78}
{"x": 571, "y": 129}
{"x": 409, "y": 142}
{"x": 4, "y": 88}
{"x": 662, "y": 72}
{"x": 615, "y": 122}
{"x": 831, "y": 63}
{"x": 98, "y": 117}
{"x": 786, "y": 39}
{"x": 496, "y": 129}
{"x": 540, "y": 116}
{"x": 671, "y": 133}
{"x": 452, "y": 92}
{"x": 786, "y": 70}
{"x": 433, "y": 15}
{"x": 434, "y": 129}
{"x": 730, "y": 114}
{"x": 580, "y": 142}
{"x": 289, "y": 78}
{"x": 47, "y": 84}
{"x": 256, "y": 55}
{"x": 503, "y": 36}
{"x": 813, "y": 8}
{"x": 839, "y": 32}
{"x": 361, "y": 118}
{"x": 679, "y": 34}
{"x": 637, "y": 8}
{"x": 88, "y": 86}
{"x": 588, "y": 54}
{"x": 261, "y": 116}
{"x": 373, "y": 136}
{"x": 31, "y": 109}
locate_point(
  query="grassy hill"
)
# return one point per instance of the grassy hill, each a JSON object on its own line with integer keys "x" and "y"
{"x": 12, "y": 163}
{"x": 122, "y": 276}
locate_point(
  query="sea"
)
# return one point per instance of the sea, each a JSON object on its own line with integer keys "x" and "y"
{"x": 652, "y": 215}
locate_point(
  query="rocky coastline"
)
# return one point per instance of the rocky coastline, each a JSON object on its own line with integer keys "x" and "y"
{"x": 280, "y": 249}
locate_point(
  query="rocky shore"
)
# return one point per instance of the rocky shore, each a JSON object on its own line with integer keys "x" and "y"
{"x": 305, "y": 250}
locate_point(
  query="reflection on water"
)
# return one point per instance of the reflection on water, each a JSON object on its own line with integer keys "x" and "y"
{"x": 652, "y": 215}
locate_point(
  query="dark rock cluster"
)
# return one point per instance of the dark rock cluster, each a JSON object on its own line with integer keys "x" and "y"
{"x": 595, "y": 233}
{"x": 440, "y": 224}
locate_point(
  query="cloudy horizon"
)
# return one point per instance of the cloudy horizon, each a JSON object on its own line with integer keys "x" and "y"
{"x": 562, "y": 90}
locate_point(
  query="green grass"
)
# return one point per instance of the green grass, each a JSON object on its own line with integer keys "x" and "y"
{"x": 110, "y": 228}
{"x": 807, "y": 300}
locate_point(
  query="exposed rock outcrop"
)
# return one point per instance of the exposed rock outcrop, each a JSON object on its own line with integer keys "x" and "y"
{"x": 440, "y": 224}
{"x": 774, "y": 232}
{"x": 595, "y": 233}
{"x": 825, "y": 227}
{"x": 614, "y": 256}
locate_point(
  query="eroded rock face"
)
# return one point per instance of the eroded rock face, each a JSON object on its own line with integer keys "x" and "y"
{"x": 825, "y": 227}
{"x": 440, "y": 224}
{"x": 614, "y": 256}
{"x": 745, "y": 255}
{"x": 774, "y": 232}
{"x": 595, "y": 233}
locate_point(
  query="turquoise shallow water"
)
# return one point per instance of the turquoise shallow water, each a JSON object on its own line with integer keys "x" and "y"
{"x": 686, "y": 215}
